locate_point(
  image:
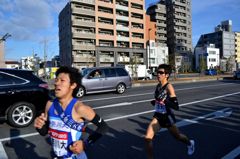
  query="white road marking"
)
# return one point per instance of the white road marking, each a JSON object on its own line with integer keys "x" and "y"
{"x": 126, "y": 116}
{"x": 142, "y": 94}
{"x": 142, "y": 101}
{"x": 217, "y": 114}
{"x": 17, "y": 137}
{"x": 233, "y": 154}
{"x": 3, "y": 154}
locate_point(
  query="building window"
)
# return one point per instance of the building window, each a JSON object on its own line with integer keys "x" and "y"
{"x": 212, "y": 60}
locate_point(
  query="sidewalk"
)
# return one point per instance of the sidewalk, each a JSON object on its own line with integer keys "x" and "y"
{"x": 176, "y": 80}
{"x": 182, "y": 80}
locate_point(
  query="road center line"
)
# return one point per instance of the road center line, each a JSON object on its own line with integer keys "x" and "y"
{"x": 125, "y": 116}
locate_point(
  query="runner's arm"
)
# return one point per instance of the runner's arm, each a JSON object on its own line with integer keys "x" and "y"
{"x": 102, "y": 129}
{"x": 88, "y": 113}
{"x": 171, "y": 102}
{"x": 41, "y": 123}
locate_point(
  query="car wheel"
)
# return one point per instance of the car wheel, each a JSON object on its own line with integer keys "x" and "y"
{"x": 121, "y": 88}
{"x": 21, "y": 114}
{"x": 81, "y": 91}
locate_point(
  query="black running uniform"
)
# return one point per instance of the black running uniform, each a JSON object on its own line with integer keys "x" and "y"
{"x": 163, "y": 113}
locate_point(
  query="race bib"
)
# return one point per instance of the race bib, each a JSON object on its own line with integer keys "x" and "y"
{"x": 59, "y": 142}
{"x": 160, "y": 107}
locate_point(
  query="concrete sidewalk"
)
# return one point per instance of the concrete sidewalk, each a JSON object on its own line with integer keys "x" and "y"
{"x": 183, "y": 80}
{"x": 176, "y": 80}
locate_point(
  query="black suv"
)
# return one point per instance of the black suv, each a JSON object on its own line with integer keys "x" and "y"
{"x": 22, "y": 95}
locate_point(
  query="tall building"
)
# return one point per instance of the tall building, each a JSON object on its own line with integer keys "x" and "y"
{"x": 237, "y": 48}
{"x": 224, "y": 26}
{"x": 102, "y": 33}
{"x": 174, "y": 28}
{"x": 157, "y": 52}
{"x": 224, "y": 39}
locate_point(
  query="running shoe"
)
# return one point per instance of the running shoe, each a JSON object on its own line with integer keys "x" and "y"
{"x": 191, "y": 148}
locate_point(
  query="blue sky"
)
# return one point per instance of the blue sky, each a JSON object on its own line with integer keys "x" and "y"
{"x": 31, "y": 22}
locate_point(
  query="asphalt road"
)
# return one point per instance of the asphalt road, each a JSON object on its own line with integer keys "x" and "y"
{"x": 209, "y": 114}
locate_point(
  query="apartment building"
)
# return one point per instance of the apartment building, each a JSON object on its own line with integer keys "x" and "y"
{"x": 102, "y": 33}
{"x": 237, "y": 48}
{"x": 174, "y": 28}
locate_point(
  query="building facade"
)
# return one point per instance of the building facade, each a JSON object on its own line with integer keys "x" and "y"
{"x": 237, "y": 48}
{"x": 102, "y": 33}
{"x": 223, "y": 39}
{"x": 174, "y": 28}
{"x": 207, "y": 57}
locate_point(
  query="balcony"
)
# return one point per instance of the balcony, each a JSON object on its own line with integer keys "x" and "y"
{"x": 83, "y": 35}
{"x": 161, "y": 24}
{"x": 106, "y": 59}
{"x": 161, "y": 17}
{"x": 83, "y": 58}
{"x": 123, "y": 59}
{"x": 161, "y": 31}
{"x": 83, "y": 23}
{"x": 136, "y": 39}
{"x": 137, "y": 30}
{"x": 85, "y": 1}
{"x": 122, "y": 28}
{"x": 83, "y": 11}
{"x": 122, "y": 38}
{"x": 161, "y": 37}
{"x": 120, "y": 17}
{"x": 109, "y": 4}
{"x": 120, "y": 7}
{"x": 137, "y": 20}
{"x": 104, "y": 14}
{"x": 105, "y": 36}
{"x": 82, "y": 46}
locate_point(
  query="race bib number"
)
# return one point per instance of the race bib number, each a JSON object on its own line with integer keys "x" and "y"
{"x": 59, "y": 142}
{"x": 160, "y": 107}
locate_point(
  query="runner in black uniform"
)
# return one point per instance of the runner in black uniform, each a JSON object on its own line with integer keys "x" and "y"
{"x": 165, "y": 101}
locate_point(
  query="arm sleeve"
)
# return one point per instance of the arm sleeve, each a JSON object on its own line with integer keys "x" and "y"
{"x": 172, "y": 102}
{"x": 102, "y": 128}
{"x": 44, "y": 130}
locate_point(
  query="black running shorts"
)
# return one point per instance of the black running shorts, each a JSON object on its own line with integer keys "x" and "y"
{"x": 165, "y": 120}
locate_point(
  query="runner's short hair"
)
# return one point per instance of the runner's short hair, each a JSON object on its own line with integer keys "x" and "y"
{"x": 167, "y": 68}
{"x": 74, "y": 75}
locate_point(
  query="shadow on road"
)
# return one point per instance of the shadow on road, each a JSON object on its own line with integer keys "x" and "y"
{"x": 23, "y": 148}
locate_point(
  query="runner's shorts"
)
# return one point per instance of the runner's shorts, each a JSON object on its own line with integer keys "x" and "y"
{"x": 165, "y": 120}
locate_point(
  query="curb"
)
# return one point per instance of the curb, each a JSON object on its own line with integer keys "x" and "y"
{"x": 181, "y": 80}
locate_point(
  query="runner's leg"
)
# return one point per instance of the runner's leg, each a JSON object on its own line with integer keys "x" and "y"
{"x": 153, "y": 127}
{"x": 176, "y": 133}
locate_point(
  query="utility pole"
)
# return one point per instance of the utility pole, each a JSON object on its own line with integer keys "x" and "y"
{"x": 2, "y": 55}
{"x": 149, "y": 52}
{"x": 44, "y": 58}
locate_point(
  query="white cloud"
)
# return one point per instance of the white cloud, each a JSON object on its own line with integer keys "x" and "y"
{"x": 29, "y": 19}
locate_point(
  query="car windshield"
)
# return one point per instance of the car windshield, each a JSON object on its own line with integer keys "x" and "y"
{"x": 86, "y": 71}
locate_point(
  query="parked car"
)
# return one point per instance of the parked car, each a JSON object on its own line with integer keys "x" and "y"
{"x": 211, "y": 72}
{"x": 236, "y": 74}
{"x": 103, "y": 79}
{"x": 22, "y": 95}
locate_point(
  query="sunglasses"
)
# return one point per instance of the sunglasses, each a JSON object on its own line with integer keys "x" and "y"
{"x": 160, "y": 72}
